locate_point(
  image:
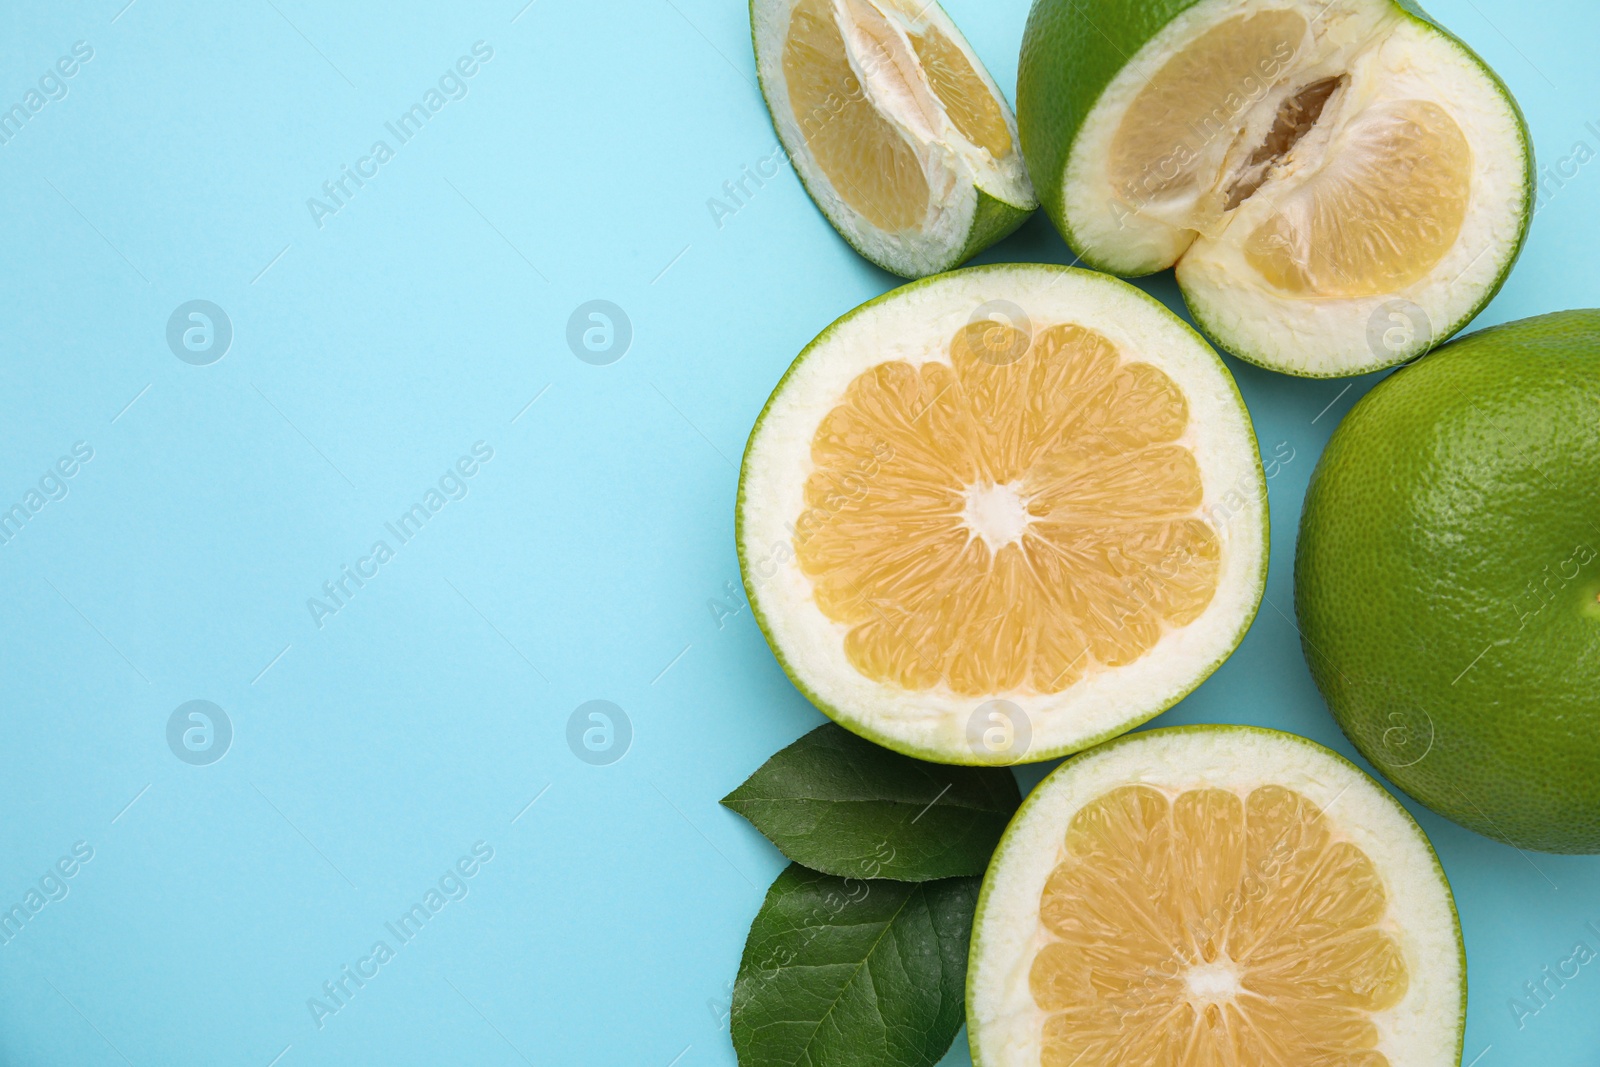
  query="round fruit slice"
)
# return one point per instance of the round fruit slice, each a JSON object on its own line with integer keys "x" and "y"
{"x": 1341, "y": 184}
{"x": 894, "y": 126}
{"x": 1215, "y": 896}
{"x": 1003, "y": 514}
{"x": 1447, "y": 580}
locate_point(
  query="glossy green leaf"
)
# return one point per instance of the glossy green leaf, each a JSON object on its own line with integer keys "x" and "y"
{"x": 844, "y": 806}
{"x": 844, "y": 972}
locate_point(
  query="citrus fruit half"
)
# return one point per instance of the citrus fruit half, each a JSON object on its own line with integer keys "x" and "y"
{"x": 1340, "y": 183}
{"x": 894, "y": 126}
{"x": 1447, "y": 580}
{"x": 1002, "y": 514}
{"x": 1214, "y": 896}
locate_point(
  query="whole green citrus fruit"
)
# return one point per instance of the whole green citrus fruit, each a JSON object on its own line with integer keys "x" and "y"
{"x": 1447, "y": 580}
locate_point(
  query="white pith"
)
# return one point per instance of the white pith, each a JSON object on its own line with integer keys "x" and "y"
{"x": 955, "y": 168}
{"x": 1005, "y": 1025}
{"x": 1213, "y": 982}
{"x": 915, "y": 325}
{"x": 996, "y": 513}
{"x": 1389, "y": 56}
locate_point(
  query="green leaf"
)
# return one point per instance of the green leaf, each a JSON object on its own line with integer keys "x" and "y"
{"x": 839, "y": 972}
{"x": 841, "y": 805}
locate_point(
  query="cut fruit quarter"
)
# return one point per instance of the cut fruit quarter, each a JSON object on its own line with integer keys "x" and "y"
{"x": 1215, "y": 896}
{"x": 894, "y": 126}
{"x": 1003, "y": 514}
{"x": 1341, "y": 184}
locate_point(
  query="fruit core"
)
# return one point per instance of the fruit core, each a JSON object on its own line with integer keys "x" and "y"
{"x": 1296, "y": 116}
{"x": 1010, "y": 515}
{"x": 996, "y": 513}
{"x": 1366, "y": 193}
{"x": 1213, "y": 981}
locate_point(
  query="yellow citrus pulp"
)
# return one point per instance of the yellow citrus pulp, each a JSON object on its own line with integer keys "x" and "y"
{"x": 966, "y": 99}
{"x": 1379, "y": 217}
{"x": 1213, "y": 929}
{"x": 1008, "y": 520}
{"x": 1181, "y": 112}
{"x": 1378, "y": 214}
{"x": 868, "y": 158}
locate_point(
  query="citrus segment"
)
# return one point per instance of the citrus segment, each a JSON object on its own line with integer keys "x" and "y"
{"x": 968, "y": 102}
{"x": 869, "y": 162}
{"x": 1021, "y": 514}
{"x": 1380, "y": 217}
{"x": 1190, "y": 107}
{"x": 893, "y": 126}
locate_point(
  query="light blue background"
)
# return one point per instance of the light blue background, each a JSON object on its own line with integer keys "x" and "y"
{"x": 369, "y": 354}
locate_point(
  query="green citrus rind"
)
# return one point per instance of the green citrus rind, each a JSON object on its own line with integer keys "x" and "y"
{"x": 1071, "y": 51}
{"x": 1447, "y": 575}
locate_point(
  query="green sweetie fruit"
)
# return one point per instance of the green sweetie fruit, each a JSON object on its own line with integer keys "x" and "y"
{"x": 1002, "y": 514}
{"x": 1340, "y": 183}
{"x": 1448, "y": 580}
{"x": 894, "y": 126}
{"x": 1214, "y": 895}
